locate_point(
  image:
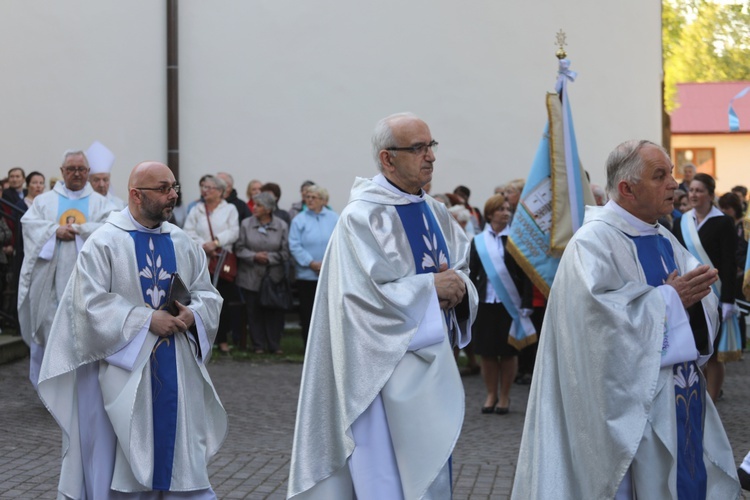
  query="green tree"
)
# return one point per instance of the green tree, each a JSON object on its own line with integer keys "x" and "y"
{"x": 704, "y": 41}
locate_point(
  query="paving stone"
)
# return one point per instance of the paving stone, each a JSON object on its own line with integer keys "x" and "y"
{"x": 261, "y": 400}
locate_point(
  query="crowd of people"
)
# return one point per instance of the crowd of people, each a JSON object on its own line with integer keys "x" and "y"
{"x": 390, "y": 292}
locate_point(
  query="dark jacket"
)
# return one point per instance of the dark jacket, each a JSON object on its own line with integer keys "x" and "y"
{"x": 243, "y": 211}
{"x": 478, "y": 275}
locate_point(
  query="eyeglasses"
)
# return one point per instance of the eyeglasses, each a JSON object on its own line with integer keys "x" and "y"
{"x": 312, "y": 197}
{"x": 417, "y": 149}
{"x": 75, "y": 170}
{"x": 208, "y": 188}
{"x": 163, "y": 189}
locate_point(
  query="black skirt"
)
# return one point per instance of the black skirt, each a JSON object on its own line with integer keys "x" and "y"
{"x": 490, "y": 331}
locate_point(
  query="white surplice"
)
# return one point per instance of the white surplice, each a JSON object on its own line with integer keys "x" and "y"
{"x": 48, "y": 262}
{"x": 96, "y": 381}
{"x": 379, "y": 368}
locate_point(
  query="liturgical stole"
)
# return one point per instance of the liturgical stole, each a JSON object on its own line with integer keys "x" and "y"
{"x": 656, "y": 256}
{"x": 156, "y": 263}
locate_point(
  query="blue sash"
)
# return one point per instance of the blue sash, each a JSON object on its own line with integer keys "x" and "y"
{"x": 156, "y": 262}
{"x": 522, "y": 333}
{"x": 656, "y": 256}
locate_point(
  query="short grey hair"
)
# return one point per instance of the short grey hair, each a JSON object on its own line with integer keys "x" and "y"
{"x": 74, "y": 152}
{"x": 220, "y": 184}
{"x": 625, "y": 164}
{"x": 382, "y": 136}
{"x": 319, "y": 190}
{"x": 265, "y": 199}
{"x": 689, "y": 165}
{"x": 460, "y": 213}
{"x": 229, "y": 179}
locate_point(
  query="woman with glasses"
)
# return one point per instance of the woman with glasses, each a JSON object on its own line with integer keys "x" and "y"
{"x": 263, "y": 246}
{"x": 214, "y": 224}
{"x": 308, "y": 239}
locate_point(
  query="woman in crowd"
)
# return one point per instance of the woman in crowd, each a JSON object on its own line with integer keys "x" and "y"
{"x": 308, "y": 239}
{"x": 705, "y": 230}
{"x": 263, "y": 244}
{"x": 731, "y": 205}
{"x": 512, "y": 192}
{"x": 34, "y": 186}
{"x": 214, "y": 224}
{"x": 491, "y": 265}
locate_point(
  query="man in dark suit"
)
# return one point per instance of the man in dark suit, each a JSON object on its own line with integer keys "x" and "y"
{"x": 15, "y": 193}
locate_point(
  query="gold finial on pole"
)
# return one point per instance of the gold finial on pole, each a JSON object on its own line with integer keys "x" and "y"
{"x": 560, "y": 36}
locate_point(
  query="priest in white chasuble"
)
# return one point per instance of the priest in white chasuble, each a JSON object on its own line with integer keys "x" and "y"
{"x": 381, "y": 403}
{"x": 54, "y": 229}
{"x": 618, "y": 405}
{"x": 124, "y": 378}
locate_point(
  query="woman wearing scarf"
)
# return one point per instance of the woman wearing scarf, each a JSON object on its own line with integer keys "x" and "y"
{"x": 503, "y": 324}
{"x": 710, "y": 236}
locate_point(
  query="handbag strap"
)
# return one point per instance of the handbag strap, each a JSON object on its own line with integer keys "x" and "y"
{"x": 208, "y": 218}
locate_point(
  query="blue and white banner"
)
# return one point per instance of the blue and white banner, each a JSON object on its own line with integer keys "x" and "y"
{"x": 734, "y": 120}
{"x": 552, "y": 203}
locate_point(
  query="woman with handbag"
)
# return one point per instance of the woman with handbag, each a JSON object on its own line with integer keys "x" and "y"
{"x": 214, "y": 224}
{"x": 710, "y": 236}
{"x": 262, "y": 252}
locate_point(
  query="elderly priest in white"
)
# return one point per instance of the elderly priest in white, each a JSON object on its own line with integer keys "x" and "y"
{"x": 54, "y": 229}
{"x": 125, "y": 379}
{"x": 101, "y": 161}
{"x": 382, "y": 403}
{"x": 618, "y": 406}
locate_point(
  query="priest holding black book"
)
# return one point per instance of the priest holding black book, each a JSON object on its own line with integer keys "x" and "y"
{"x": 125, "y": 378}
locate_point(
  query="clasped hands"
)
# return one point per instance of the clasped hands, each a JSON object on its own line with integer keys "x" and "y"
{"x": 449, "y": 286}
{"x": 694, "y": 285}
{"x": 66, "y": 233}
{"x": 164, "y": 324}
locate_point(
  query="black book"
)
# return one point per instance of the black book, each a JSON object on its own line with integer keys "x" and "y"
{"x": 177, "y": 292}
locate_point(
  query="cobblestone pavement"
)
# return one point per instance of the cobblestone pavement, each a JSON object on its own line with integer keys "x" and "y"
{"x": 261, "y": 399}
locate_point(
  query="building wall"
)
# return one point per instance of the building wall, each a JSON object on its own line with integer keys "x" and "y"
{"x": 285, "y": 91}
{"x": 732, "y": 156}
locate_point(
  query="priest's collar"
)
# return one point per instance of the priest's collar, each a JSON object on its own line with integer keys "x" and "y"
{"x": 140, "y": 227}
{"x": 643, "y": 228}
{"x": 382, "y": 180}
{"x": 68, "y": 193}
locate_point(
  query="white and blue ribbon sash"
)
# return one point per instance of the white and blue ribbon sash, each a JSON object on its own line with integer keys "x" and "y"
{"x": 575, "y": 189}
{"x": 694, "y": 245}
{"x": 502, "y": 283}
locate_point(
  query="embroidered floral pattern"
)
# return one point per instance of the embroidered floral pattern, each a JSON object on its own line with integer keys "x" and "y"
{"x": 435, "y": 258}
{"x": 665, "y": 340}
{"x": 154, "y": 272}
{"x": 686, "y": 390}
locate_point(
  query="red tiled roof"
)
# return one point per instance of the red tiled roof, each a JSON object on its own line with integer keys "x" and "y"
{"x": 704, "y": 107}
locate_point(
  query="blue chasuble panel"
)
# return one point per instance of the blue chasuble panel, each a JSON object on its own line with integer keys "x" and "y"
{"x": 70, "y": 211}
{"x": 425, "y": 237}
{"x": 656, "y": 256}
{"x": 156, "y": 263}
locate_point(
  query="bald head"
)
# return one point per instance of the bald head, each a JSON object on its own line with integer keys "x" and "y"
{"x": 147, "y": 203}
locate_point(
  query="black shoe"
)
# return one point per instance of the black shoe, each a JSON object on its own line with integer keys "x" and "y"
{"x": 744, "y": 479}
{"x": 503, "y": 410}
{"x": 487, "y": 410}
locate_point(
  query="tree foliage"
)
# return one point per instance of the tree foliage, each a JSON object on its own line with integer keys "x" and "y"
{"x": 704, "y": 41}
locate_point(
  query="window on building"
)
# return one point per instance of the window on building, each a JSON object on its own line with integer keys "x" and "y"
{"x": 704, "y": 160}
